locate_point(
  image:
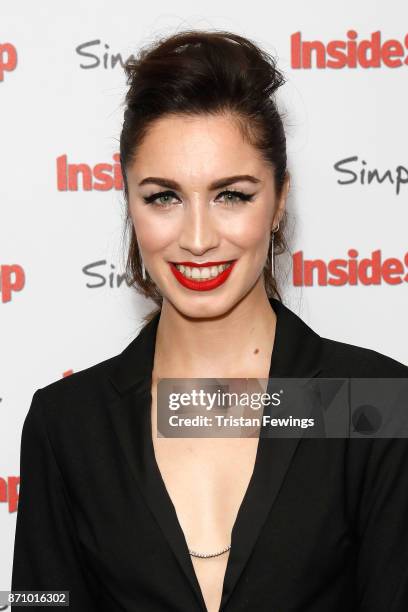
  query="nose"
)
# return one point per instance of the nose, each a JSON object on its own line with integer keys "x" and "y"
{"x": 198, "y": 232}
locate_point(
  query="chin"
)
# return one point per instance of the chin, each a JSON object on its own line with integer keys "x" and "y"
{"x": 203, "y": 306}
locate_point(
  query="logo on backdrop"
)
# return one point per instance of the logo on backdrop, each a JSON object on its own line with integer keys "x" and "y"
{"x": 100, "y": 273}
{"x": 8, "y": 59}
{"x": 12, "y": 278}
{"x": 97, "y": 55}
{"x": 356, "y": 170}
{"x": 83, "y": 177}
{"x": 9, "y": 488}
{"x": 349, "y": 53}
{"x": 352, "y": 271}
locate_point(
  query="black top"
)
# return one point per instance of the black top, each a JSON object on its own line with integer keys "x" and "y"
{"x": 322, "y": 526}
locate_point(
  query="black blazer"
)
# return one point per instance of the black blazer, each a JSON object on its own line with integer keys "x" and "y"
{"x": 322, "y": 526}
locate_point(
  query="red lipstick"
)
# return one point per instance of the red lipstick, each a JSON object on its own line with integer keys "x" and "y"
{"x": 202, "y": 285}
{"x": 192, "y": 264}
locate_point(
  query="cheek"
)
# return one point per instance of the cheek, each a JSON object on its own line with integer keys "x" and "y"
{"x": 153, "y": 233}
{"x": 247, "y": 232}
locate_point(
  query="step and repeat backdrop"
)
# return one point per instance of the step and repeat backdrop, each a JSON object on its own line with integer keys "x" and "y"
{"x": 64, "y": 304}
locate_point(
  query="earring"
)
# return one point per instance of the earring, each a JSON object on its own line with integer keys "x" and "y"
{"x": 272, "y": 250}
{"x": 143, "y": 270}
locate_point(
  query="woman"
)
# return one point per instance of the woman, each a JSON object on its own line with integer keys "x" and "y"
{"x": 125, "y": 520}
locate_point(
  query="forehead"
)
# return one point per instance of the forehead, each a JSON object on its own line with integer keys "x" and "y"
{"x": 204, "y": 146}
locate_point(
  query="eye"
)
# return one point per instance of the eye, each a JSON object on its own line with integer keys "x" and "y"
{"x": 235, "y": 197}
{"x": 162, "y": 195}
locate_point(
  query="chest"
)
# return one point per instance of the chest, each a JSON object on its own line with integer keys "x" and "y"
{"x": 290, "y": 535}
{"x": 206, "y": 480}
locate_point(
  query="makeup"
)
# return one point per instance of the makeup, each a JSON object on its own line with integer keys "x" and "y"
{"x": 189, "y": 275}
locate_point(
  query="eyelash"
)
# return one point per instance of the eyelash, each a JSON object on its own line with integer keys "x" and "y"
{"x": 244, "y": 197}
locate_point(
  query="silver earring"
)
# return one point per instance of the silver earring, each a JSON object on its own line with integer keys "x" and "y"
{"x": 272, "y": 250}
{"x": 143, "y": 270}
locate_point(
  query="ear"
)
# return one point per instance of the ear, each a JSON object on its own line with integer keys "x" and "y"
{"x": 281, "y": 202}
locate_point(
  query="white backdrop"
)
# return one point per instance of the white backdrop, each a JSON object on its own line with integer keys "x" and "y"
{"x": 61, "y": 98}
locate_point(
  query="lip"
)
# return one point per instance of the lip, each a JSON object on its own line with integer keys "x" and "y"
{"x": 204, "y": 285}
{"x": 192, "y": 264}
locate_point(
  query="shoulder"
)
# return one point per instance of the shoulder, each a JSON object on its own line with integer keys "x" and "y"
{"x": 369, "y": 459}
{"x": 76, "y": 398}
{"x": 68, "y": 421}
{"x": 350, "y": 360}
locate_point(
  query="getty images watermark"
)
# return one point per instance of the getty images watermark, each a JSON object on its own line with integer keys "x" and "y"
{"x": 282, "y": 407}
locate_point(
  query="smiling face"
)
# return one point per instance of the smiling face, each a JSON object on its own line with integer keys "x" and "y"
{"x": 198, "y": 194}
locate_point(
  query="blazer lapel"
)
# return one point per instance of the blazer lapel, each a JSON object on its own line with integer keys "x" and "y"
{"x": 296, "y": 353}
{"x": 131, "y": 419}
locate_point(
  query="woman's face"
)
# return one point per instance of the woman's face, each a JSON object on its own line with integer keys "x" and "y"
{"x": 183, "y": 210}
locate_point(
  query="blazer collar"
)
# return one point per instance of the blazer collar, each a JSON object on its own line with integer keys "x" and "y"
{"x": 297, "y": 352}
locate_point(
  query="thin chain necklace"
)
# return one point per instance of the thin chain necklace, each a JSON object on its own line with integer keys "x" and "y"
{"x": 206, "y": 555}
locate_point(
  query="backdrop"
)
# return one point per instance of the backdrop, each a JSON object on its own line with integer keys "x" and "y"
{"x": 63, "y": 303}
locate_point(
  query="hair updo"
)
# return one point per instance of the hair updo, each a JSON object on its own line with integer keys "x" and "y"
{"x": 198, "y": 72}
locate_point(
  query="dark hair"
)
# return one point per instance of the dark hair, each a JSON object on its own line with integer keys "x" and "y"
{"x": 198, "y": 72}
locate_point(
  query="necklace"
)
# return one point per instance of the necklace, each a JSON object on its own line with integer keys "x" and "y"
{"x": 206, "y": 555}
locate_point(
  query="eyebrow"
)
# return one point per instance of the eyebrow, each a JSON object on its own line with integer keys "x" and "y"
{"x": 163, "y": 182}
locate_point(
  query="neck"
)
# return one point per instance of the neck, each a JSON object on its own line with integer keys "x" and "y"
{"x": 237, "y": 344}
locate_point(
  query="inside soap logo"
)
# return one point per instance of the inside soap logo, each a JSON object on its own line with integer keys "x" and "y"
{"x": 84, "y": 177}
{"x": 353, "y": 52}
{"x": 9, "y": 491}
{"x": 355, "y": 270}
{"x": 12, "y": 279}
{"x": 8, "y": 59}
